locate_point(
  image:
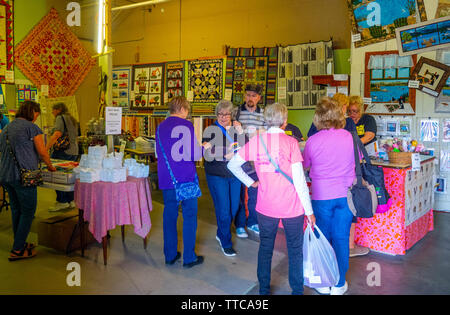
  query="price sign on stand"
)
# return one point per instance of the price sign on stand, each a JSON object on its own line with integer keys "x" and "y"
{"x": 113, "y": 120}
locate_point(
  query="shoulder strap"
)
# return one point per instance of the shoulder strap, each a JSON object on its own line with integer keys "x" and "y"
{"x": 275, "y": 164}
{"x": 11, "y": 151}
{"x": 64, "y": 121}
{"x": 358, "y": 171}
{"x": 224, "y": 131}
{"x": 174, "y": 180}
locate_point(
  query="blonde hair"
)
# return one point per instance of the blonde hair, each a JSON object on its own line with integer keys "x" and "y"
{"x": 177, "y": 103}
{"x": 341, "y": 99}
{"x": 275, "y": 115}
{"x": 328, "y": 115}
{"x": 356, "y": 100}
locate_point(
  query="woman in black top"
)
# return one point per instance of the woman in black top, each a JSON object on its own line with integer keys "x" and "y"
{"x": 366, "y": 126}
{"x": 221, "y": 140}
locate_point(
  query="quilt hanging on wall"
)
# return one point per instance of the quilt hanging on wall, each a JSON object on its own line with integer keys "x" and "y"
{"x": 375, "y": 21}
{"x": 148, "y": 86}
{"x": 51, "y": 54}
{"x": 252, "y": 66}
{"x": 121, "y": 84}
{"x": 296, "y": 66}
{"x": 386, "y": 80}
{"x": 6, "y": 38}
{"x": 206, "y": 80}
{"x": 442, "y": 102}
{"x": 174, "y": 84}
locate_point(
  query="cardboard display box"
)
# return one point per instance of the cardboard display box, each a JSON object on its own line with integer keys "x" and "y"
{"x": 57, "y": 232}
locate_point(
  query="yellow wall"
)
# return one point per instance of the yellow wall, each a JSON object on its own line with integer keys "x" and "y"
{"x": 206, "y": 26}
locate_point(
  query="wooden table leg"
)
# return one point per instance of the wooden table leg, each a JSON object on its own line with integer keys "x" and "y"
{"x": 105, "y": 250}
{"x": 81, "y": 227}
{"x": 123, "y": 233}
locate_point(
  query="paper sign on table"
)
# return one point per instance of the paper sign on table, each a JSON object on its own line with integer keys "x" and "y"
{"x": 413, "y": 84}
{"x": 340, "y": 77}
{"x": 113, "y": 119}
{"x": 415, "y": 161}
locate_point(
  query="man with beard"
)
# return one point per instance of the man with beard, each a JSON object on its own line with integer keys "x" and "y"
{"x": 251, "y": 116}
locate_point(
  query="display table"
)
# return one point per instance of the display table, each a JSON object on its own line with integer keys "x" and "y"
{"x": 149, "y": 156}
{"x": 107, "y": 205}
{"x": 410, "y": 216}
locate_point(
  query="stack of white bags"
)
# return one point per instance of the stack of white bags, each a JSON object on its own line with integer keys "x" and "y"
{"x": 136, "y": 169}
{"x": 97, "y": 166}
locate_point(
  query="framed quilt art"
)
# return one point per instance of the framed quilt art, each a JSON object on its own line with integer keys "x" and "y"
{"x": 174, "y": 85}
{"x": 432, "y": 75}
{"x": 6, "y": 38}
{"x": 206, "y": 80}
{"x": 252, "y": 66}
{"x": 386, "y": 83}
{"x": 375, "y": 21}
{"x": 422, "y": 37}
{"x": 148, "y": 86}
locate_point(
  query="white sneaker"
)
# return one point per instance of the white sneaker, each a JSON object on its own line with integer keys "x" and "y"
{"x": 59, "y": 206}
{"x": 241, "y": 233}
{"x": 72, "y": 204}
{"x": 254, "y": 228}
{"x": 339, "y": 290}
{"x": 324, "y": 290}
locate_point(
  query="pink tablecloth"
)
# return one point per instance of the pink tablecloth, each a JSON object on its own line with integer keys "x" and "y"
{"x": 107, "y": 205}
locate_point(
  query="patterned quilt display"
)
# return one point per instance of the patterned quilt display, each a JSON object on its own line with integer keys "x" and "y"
{"x": 6, "y": 38}
{"x": 297, "y": 65}
{"x": 251, "y": 66}
{"x": 52, "y": 55}
{"x": 121, "y": 85}
{"x": 206, "y": 80}
{"x": 148, "y": 86}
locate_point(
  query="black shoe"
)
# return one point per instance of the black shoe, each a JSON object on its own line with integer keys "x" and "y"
{"x": 171, "y": 262}
{"x": 198, "y": 261}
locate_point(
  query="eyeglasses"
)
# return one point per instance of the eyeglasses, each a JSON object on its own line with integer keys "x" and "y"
{"x": 223, "y": 115}
{"x": 353, "y": 111}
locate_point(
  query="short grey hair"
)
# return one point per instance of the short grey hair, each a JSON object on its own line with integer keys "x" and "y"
{"x": 275, "y": 115}
{"x": 224, "y": 105}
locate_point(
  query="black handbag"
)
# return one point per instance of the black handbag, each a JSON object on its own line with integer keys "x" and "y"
{"x": 28, "y": 178}
{"x": 374, "y": 175}
{"x": 361, "y": 196}
{"x": 63, "y": 142}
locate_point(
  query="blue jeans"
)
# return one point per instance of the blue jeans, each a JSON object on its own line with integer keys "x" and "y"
{"x": 241, "y": 219}
{"x": 225, "y": 192}
{"x": 293, "y": 229}
{"x": 64, "y": 196}
{"x": 334, "y": 219}
{"x": 23, "y": 202}
{"x": 170, "y": 217}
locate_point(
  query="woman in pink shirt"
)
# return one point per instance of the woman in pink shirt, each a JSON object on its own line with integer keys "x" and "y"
{"x": 329, "y": 155}
{"x": 280, "y": 197}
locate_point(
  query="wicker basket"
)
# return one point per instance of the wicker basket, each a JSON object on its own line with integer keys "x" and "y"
{"x": 400, "y": 157}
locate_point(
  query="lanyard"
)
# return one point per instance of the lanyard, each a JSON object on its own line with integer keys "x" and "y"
{"x": 235, "y": 144}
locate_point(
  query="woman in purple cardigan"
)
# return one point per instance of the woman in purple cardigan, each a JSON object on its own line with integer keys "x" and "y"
{"x": 329, "y": 155}
{"x": 182, "y": 150}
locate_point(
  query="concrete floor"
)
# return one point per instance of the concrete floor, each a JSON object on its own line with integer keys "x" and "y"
{"x": 133, "y": 270}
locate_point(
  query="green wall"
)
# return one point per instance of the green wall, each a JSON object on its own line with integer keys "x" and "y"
{"x": 26, "y": 15}
{"x": 303, "y": 118}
